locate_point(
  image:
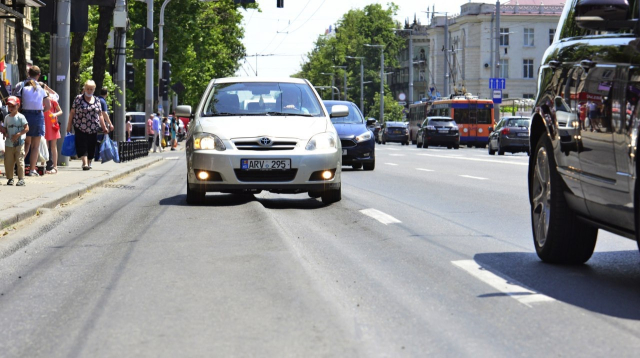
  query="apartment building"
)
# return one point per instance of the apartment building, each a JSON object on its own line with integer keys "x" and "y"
{"x": 8, "y": 15}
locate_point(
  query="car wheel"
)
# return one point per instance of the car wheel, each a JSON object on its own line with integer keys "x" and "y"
{"x": 425, "y": 145}
{"x": 356, "y": 166}
{"x": 418, "y": 144}
{"x": 500, "y": 150}
{"x": 491, "y": 151}
{"x": 558, "y": 235}
{"x": 332, "y": 195}
{"x": 370, "y": 166}
{"x": 384, "y": 142}
{"x": 195, "y": 197}
{"x": 457, "y": 146}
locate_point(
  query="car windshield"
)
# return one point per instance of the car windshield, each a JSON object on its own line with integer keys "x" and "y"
{"x": 354, "y": 117}
{"x": 441, "y": 123}
{"x": 262, "y": 99}
{"x": 137, "y": 118}
{"x": 518, "y": 122}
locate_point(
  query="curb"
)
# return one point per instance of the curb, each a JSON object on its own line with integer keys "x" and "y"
{"x": 29, "y": 208}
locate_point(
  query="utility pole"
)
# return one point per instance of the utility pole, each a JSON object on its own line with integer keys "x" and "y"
{"x": 148, "y": 102}
{"x": 381, "y": 47}
{"x": 165, "y": 104}
{"x": 496, "y": 107}
{"x": 120, "y": 46}
{"x": 361, "y": 80}
{"x": 446, "y": 54}
{"x": 62, "y": 65}
{"x": 345, "y": 81}
{"x": 332, "y": 84}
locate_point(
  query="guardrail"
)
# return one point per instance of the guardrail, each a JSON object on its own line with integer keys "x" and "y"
{"x": 133, "y": 150}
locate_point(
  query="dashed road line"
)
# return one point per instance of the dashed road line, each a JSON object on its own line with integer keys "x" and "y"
{"x": 506, "y": 286}
{"x": 424, "y": 170}
{"x": 474, "y": 159}
{"x": 390, "y": 163}
{"x": 380, "y": 216}
{"x": 396, "y": 155}
{"x": 472, "y": 177}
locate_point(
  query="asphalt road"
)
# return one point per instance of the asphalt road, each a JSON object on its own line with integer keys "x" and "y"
{"x": 431, "y": 254}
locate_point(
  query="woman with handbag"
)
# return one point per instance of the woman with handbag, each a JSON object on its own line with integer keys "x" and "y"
{"x": 52, "y": 129}
{"x": 87, "y": 120}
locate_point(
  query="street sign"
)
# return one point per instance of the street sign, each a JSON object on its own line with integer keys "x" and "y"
{"x": 497, "y": 83}
{"x": 497, "y": 96}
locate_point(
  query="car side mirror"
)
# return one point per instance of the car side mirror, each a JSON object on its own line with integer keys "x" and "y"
{"x": 183, "y": 111}
{"x": 419, "y": 125}
{"x": 490, "y": 129}
{"x": 602, "y": 15}
{"x": 339, "y": 110}
{"x": 371, "y": 122}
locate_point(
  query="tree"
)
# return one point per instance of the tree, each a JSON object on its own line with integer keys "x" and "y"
{"x": 100, "y": 49}
{"x": 370, "y": 25}
{"x": 393, "y": 112}
{"x": 40, "y": 43}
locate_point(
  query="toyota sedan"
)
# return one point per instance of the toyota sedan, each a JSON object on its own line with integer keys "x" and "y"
{"x": 256, "y": 134}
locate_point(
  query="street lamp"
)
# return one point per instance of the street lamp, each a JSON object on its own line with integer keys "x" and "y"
{"x": 345, "y": 80}
{"x": 332, "y": 83}
{"x": 361, "y": 80}
{"x": 381, "y": 47}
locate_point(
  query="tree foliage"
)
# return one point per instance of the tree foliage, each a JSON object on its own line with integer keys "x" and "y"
{"x": 370, "y": 25}
{"x": 392, "y": 110}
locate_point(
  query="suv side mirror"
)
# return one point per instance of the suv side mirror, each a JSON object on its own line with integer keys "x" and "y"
{"x": 371, "y": 122}
{"x": 602, "y": 14}
{"x": 183, "y": 111}
{"x": 339, "y": 110}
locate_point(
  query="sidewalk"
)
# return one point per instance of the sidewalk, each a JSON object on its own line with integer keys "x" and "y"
{"x": 47, "y": 191}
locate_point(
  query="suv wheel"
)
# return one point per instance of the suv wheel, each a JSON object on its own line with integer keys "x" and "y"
{"x": 332, "y": 195}
{"x": 195, "y": 197}
{"x": 558, "y": 235}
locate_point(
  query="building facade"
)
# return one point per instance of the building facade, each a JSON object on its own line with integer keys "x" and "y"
{"x": 527, "y": 28}
{"x": 398, "y": 81}
{"x": 8, "y": 15}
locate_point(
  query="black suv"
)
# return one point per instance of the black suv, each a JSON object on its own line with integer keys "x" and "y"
{"x": 584, "y": 131}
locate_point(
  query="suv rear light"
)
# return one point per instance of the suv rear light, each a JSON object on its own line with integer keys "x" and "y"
{"x": 505, "y": 130}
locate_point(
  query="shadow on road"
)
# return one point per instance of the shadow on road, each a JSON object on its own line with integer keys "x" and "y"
{"x": 210, "y": 200}
{"x": 609, "y": 283}
{"x": 303, "y": 202}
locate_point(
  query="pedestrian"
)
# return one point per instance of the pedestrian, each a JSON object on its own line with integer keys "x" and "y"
{"x": 166, "y": 131}
{"x": 129, "y": 128}
{"x": 86, "y": 119}
{"x": 52, "y": 129}
{"x": 15, "y": 129}
{"x": 35, "y": 102}
{"x": 157, "y": 133}
{"x": 150, "y": 132}
{"x": 104, "y": 92}
{"x": 174, "y": 131}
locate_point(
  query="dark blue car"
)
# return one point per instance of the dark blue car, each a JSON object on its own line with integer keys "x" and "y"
{"x": 356, "y": 137}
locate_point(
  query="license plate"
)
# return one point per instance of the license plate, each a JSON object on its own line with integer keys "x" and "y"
{"x": 443, "y": 131}
{"x": 344, "y": 152}
{"x": 265, "y": 164}
{"x": 523, "y": 134}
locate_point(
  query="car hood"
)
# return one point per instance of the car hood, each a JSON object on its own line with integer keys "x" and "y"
{"x": 346, "y": 130}
{"x": 272, "y": 126}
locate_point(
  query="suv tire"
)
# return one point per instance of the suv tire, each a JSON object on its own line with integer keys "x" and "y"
{"x": 558, "y": 235}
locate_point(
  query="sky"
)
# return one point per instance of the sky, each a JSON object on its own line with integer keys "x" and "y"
{"x": 283, "y": 36}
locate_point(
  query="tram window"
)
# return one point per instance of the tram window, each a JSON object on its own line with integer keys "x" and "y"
{"x": 461, "y": 116}
{"x": 484, "y": 116}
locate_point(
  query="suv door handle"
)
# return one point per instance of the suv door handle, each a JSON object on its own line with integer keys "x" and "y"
{"x": 587, "y": 64}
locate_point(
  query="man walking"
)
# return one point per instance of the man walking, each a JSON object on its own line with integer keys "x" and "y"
{"x": 157, "y": 133}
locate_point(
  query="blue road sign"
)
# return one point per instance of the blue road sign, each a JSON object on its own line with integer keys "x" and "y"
{"x": 497, "y": 96}
{"x": 497, "y": 83}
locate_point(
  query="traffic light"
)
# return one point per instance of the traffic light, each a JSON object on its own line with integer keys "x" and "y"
{"x": 166, "y": 71}
{"x": 130, "y": 74}
{"x": 164, "y": 89}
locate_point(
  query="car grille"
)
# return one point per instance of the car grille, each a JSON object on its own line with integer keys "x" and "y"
{"x": 255, "y": 145}
{"x": 266, "y": 175}
{"x": 348, "y": 143}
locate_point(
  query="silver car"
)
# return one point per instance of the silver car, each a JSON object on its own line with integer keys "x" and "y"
{"x": 254, "y": 134}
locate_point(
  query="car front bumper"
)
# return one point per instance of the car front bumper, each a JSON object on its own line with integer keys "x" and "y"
{"x": 353, "y": 153}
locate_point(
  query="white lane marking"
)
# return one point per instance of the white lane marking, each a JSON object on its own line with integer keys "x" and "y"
{"x": 474, "y": 159}
{"x": 396, "y": 155}
{"x": 508, "y": 287}
{"x": 171, "y": 158}
{"x": 392, "y": 148}
{"x": 424, "y": 170}
{"x": 390, "y": 163}
{"x": 472, "y": 177}
{"x": 380, "y": 216}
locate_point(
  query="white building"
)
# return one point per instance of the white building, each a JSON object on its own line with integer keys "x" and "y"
{"x": 527, "y": 28}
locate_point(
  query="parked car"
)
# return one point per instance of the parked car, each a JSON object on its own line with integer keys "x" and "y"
{"x": 356, "y": 136}
{"x": 394, "y": 132}
{"x": 438, "y": 131}
{"x": 291, "y": 147}
{"x": 138, "y": 124}
{"x": 583, "y": 174}
{"x": 376, "y": 132}
{"x": 511, "y": 134}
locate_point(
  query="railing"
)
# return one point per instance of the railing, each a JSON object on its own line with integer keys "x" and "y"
{"x": 133, "y": 150}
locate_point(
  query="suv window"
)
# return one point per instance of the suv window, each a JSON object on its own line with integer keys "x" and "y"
{"x": 569, "y": 27}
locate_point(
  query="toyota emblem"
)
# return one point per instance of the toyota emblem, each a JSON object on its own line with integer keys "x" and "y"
{"x": 264, "y": 141}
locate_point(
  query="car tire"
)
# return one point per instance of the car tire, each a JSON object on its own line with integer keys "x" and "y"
{"x": 425, "y": 145}
{"x": 457, "y": 146}
{"x": 356, "y": 166}
{"x": 491, "y": 151}
{"x": 369, "y": 166}
{"x": 558, "y": 235}
{"x": 449, "y": 147}
{"x": 406, "y": 143}
{"x": 418, "y": 144}
{"x": 500, "y": 150}
{"x": 384, "y": 143}
{"x": 331, "y": 196}
{"x": 195, "y": 197}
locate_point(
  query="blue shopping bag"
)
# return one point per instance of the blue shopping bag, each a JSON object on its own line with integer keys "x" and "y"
{"x": 69, "y": 145}
{"x": 109, "y": 150}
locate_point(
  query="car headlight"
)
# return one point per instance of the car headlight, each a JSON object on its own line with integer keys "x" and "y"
{"x": 207, "y": 141}
{"x": 321, "y": 141}
{"x": 364, "y": 137}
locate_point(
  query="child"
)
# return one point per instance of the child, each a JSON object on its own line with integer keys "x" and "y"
{"x": 15, "y": 129}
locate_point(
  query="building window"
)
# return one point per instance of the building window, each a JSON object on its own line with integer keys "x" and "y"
{"x": 527, "y": 96}
{"x": 528, "y": 37}
{"x": 10, "y": 44}
{"x": 552, "y": 33}
{"x": 505, "y": 95}
{"x": 504, "y": 68}
{"x": 504, "y": 36}
{"x": 528, "y": 68}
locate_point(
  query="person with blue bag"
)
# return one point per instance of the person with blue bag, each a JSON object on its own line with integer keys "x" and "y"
{"x": 86, "y": 119}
